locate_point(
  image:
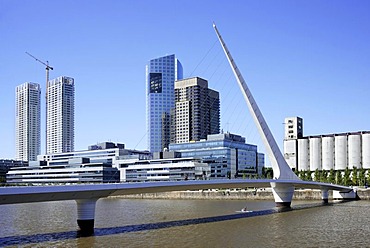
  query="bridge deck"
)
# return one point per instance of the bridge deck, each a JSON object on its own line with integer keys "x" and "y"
{"x": 28, "y": 194}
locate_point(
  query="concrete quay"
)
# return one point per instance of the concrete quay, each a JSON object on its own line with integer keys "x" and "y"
{"x": 241, "y": 194}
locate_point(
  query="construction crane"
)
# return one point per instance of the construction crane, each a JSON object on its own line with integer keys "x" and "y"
{"x": 48, "y": 67}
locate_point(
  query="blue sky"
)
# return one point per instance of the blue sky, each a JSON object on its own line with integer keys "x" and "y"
{"x": 300, "y": 58}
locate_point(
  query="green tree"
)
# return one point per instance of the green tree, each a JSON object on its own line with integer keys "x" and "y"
{"x": 309, "y": 175}
{"x": 267, "y": 172}
{"x": 338, "y": 177}
{"x": 347, "y": 177}
{"x": 324, "y": 176}
{"x": 317, "y": 175}
{"x": 331, "y": 177}
{"x": 355, "y": 176}
{"x": 2, "y": 180}
{"x": 361, "y": 177}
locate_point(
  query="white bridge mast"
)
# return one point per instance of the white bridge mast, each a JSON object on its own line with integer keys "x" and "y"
{"x": 280, "y": 167}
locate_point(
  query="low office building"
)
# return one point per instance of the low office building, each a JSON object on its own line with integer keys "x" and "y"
{"x": 7, "y": 164}
{"x": 78, "y": 170}
{"x": 105, "y": 152}
{"x": 227, "y": 154}
{"x": 108, "y": 162}
{"x": 172, "y": 169}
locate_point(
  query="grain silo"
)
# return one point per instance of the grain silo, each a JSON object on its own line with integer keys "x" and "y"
{"x": 366, "y": 150}
{"x": 340, "y": 157}
{"x": 354, "y": 151}
{"x": 303, "y": 155}
{"x": 315, "y": 153}
{"x": 327, "y": 152}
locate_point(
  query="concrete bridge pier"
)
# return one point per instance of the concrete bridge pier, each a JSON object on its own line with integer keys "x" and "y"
{"x": 346, "y": 196}
{"x": 86, "y": 215}
{"x": 283, "y": 194}
{"x": 325, "y": 196}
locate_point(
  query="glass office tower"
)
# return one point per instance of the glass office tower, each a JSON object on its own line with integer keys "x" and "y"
{"x": 27, "y": 121}
{"x": 161, "y": 73}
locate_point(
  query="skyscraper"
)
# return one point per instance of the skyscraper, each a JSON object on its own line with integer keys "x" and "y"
{"x": 60, "y": 115}
{"x": 197, "y": 111}
{"x": 161, "y": 73}
{"x": 27, "y": 118}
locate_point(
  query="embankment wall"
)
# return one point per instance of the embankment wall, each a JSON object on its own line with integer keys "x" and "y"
{"x": 259, "y": 194}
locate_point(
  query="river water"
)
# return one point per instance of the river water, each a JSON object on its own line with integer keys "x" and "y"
{"x": 188, "y": 223}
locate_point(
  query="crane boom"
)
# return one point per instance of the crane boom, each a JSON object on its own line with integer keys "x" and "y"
{"x": 48, "y": 67}
{"x": 46, "y": 64}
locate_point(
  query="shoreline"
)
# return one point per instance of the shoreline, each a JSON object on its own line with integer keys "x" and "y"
{"x": 241, "y": 194}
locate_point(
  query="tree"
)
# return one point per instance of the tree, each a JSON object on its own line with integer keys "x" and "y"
{"x": 2, "y": 180}
{"x": 317, "y": 175}
{"x": 309, "y": 175}
{"x": 347, "y": 177}
{"x": 338, "y": 177}
{"x": 324, "y": 176}
{"x": 331, "y": 177}
{"x": 355, "y": 176}
{"x": 362, "y": 177}
{"x": 267, "y": 172}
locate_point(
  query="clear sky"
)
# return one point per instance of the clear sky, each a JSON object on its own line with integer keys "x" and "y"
{"x": 300, "y": 58}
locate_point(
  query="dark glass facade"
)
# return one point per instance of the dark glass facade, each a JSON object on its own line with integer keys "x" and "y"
{"x": 155, "y": 82}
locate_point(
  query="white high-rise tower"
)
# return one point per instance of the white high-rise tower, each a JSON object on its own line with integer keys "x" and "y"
{"x": 60, "y": 115}
{"x": 27, "y": 121}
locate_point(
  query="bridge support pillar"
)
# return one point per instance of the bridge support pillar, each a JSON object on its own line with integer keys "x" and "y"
{"x": 86, "y": 215}
{"x": 325, "y": 196}
{"x": 283, "y": 194}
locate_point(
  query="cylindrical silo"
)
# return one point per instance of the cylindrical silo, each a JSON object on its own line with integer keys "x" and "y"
{"x": 366, "y": 150}
{"x": 354, "y": 151}
{"x": 303, "y": 157}
{"x": 327, "y": 153}
{"x": 340, "y": 156}
{"x": 315, "y": 153}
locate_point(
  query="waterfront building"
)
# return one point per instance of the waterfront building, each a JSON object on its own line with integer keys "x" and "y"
{"x": 161, "y": 73}
{"x": 227, "y": 154}
{"x": 326, "y": 151}
{"x": 197, "y": 110}
{"x": 170, "y": 169}
{"x": 109, "y": 162}
{"x": 60, "y": 97}
{"x": 27, "y": 121}
{"x": 77, "y": 170}
{"x": 105, "y": 152}
{"x": 6, "y": 164}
